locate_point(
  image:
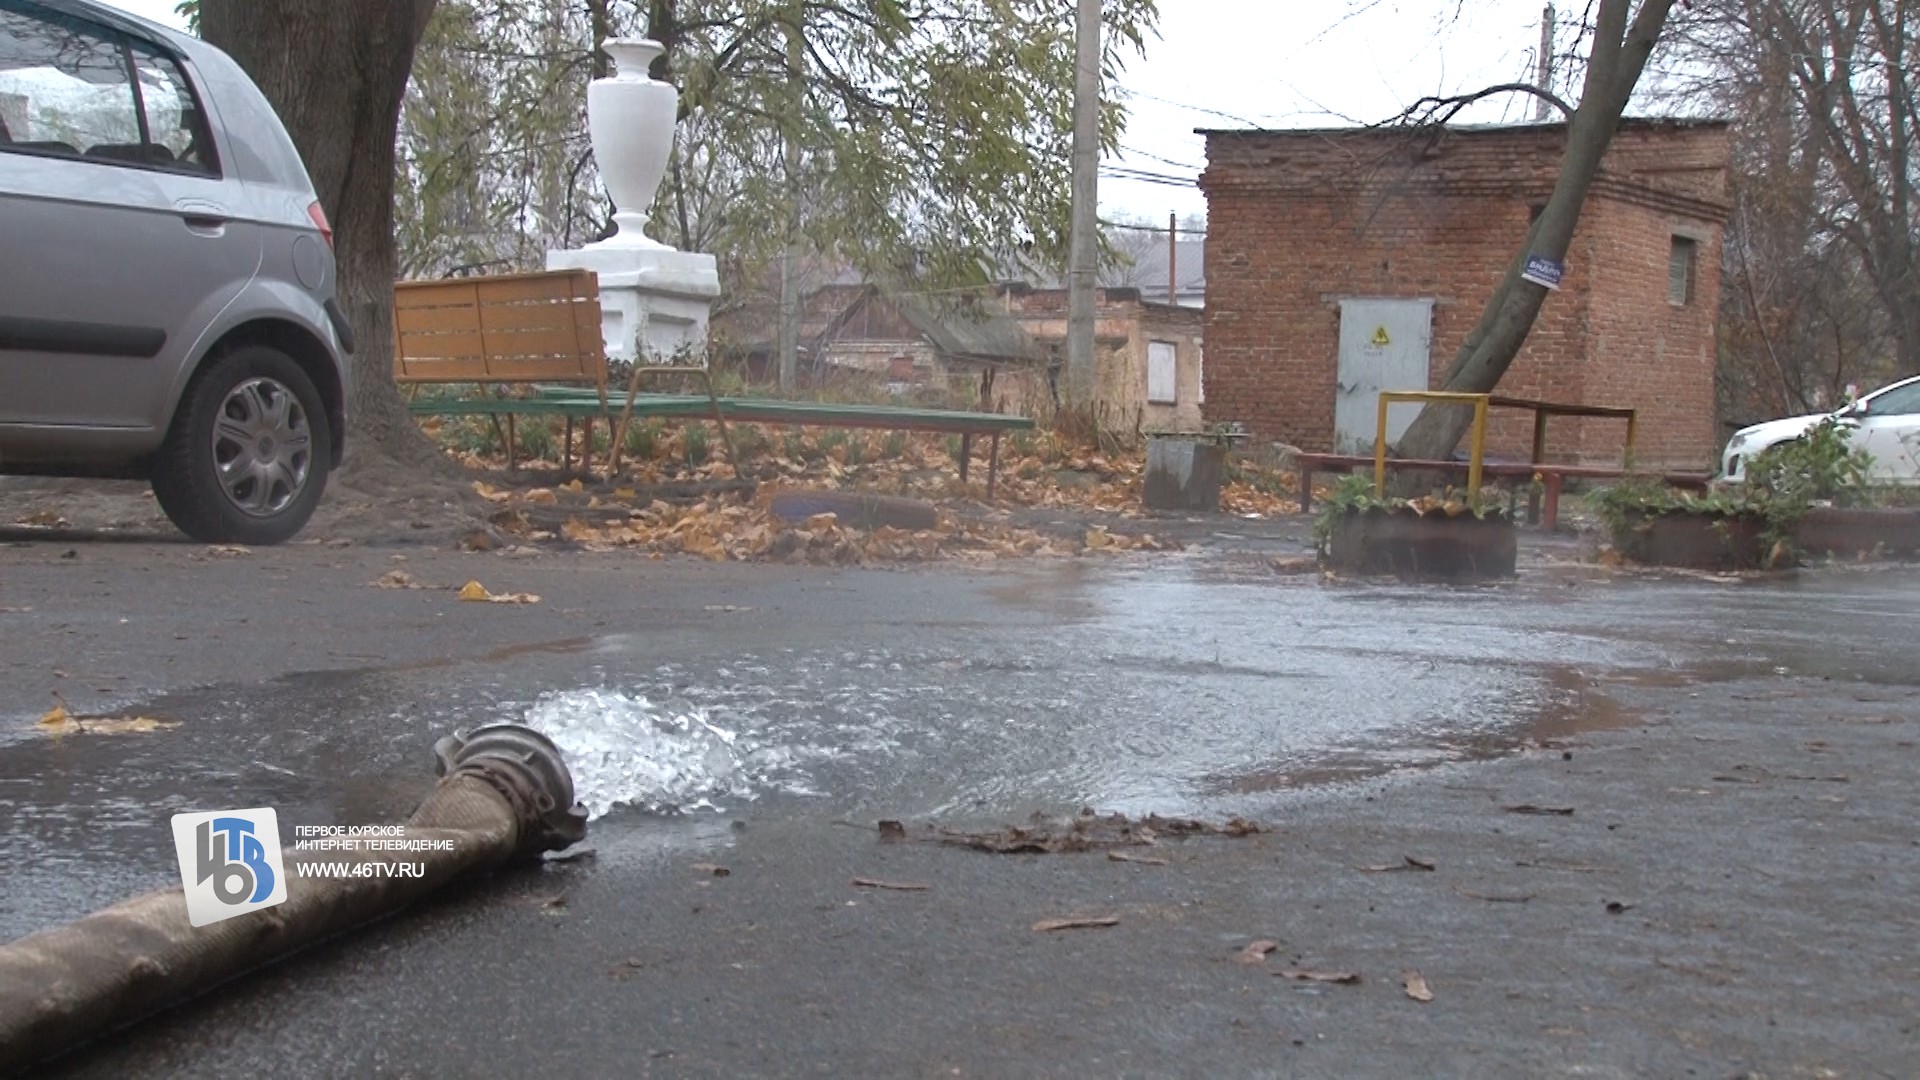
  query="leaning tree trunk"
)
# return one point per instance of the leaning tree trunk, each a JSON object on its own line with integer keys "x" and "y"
{"x": 336, "y": 71}
{"x": 1618, "y": 57}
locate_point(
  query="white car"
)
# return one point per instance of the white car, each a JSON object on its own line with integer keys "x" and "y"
{"x": 1885, "y": 423}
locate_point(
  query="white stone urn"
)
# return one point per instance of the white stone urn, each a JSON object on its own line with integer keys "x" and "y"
{"x": 631, "y": 119}
{"x": 655, "y": 302}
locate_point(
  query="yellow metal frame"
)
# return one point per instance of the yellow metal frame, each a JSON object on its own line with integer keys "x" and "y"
{"x": 1445, "y": 397}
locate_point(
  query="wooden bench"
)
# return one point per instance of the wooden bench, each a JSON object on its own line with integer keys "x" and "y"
{"x": 509, "y": 329}
{"x": 543, "y": 329}
{"x": 1552, "y": 477}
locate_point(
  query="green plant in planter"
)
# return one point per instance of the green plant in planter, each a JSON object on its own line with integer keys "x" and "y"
{"x": 1782, "y": 483}
{"x": 1820, "y": 466}
{"x": 1354, "y": 494}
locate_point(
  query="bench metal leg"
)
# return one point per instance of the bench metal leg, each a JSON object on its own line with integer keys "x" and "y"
{"x": 510, "y": 442}
{"x": 993, "y": 466}
{"x": 1550, "y": 513}
{"x": 1306, "y": 489}
{"x": 566, "y": 447}
{"x": 720, "y": 420}
{"x": 966, "y": 455}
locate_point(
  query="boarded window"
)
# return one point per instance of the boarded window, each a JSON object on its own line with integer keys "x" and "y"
{"x": 1680, "y": 270}
{"x": 1163, "y": 382}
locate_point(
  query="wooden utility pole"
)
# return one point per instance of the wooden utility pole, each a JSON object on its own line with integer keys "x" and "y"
{"x": 1082, "y": 259}
{"x": 789, "y": 333}
{"x": 1173, "y": 257}
{"x": 1545, "y": 65}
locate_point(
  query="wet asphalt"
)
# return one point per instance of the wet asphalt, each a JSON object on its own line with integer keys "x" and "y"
{"x": 1738, "y": 755}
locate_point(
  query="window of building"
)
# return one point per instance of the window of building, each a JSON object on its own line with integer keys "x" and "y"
{"x": 1680, "y": 270}
{"x": 1163, "y": 382}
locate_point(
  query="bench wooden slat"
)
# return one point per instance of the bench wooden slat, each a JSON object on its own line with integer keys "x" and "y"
{"x": 511, "y": 328}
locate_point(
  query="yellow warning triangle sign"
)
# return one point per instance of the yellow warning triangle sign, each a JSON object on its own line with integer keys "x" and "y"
{"x": 1380, "y": 338}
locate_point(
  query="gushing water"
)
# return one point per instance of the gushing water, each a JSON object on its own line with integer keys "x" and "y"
{"x": 626, "y": 751}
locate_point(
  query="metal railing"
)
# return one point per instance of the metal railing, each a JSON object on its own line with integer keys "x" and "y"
{"x": 1477, "y": 436}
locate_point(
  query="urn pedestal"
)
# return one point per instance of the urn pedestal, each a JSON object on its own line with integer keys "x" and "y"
{"x": 654, "y": 300}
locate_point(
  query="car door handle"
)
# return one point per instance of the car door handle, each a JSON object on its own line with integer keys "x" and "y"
{"x": 205, "y": 224}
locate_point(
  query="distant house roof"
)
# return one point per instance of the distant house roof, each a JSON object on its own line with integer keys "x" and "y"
{"x": 956, "y": 328}
{"x": 1146, "y": 274}
{"x": 1149, "y": 271}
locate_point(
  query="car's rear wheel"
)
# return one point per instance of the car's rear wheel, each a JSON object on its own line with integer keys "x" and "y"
{"x": 246, "y": 458}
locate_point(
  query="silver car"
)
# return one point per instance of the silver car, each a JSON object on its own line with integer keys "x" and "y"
{"x": 167, "y": 304}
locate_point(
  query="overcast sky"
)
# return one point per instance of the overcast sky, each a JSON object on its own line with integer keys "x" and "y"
{"x": 1284, "y": 63}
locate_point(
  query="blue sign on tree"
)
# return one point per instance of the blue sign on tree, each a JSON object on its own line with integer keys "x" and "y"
{"x": 1543, "y": 271}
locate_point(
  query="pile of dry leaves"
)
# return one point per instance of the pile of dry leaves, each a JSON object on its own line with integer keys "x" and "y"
{"x": 1037, "y": 469}
{"x": 733, "y": 527}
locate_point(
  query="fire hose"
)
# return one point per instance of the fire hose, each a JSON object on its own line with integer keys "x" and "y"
{"x": 503, "y": 794}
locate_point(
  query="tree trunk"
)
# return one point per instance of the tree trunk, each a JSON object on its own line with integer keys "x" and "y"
{"x": 336, "y": 71}
{"x": 1618, "y": 57}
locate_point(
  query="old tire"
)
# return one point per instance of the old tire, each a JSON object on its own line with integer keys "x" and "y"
{"x": 247, "y": 456}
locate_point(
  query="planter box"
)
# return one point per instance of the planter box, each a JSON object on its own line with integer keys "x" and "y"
{"x": 1695, "y": 541}
{"x": 1849, "y": 534}
{"x": 1184, "y": 473}
{"x": 1422, "y": 547}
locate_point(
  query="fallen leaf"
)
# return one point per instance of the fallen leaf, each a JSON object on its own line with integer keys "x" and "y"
{"x": 1615, "y": 907}
{"x": 396, "y": 579}
{"x": 1529, "y": 808}
{"x": 554, "y": 903}
{"x": 1519, "y": 898}
{"x": 1407, "y": 862}
{"x": 1344, "y": 978}
{"x": 1416, "y": 985}
{"x": 229, "y": 550}
{"x": 1256, "y": 952}
{"x": 60, "y": 720}
{"x": 574, "y": 485}
{"x": 712, "y": 868}
{"x": 49, "y": 519}
{"x": 1144, "y": 860}
{"x": 1576, "y": 868}
{"x": 892, "y": 830}
{"x": 478, "y": 593}
{"x": 1077, "y": 922}
{"x": 896, "y": 886}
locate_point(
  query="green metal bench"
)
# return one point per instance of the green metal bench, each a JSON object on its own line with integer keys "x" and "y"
{"x": 813, "y": 414}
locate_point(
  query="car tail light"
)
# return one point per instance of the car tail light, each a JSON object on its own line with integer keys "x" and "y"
{"x": 319, "y": 217}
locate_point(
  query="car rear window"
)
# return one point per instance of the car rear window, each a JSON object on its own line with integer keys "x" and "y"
{"x": 69, "y": 88}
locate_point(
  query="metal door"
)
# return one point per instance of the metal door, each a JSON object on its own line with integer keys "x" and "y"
{"x": 1383, "y": 346}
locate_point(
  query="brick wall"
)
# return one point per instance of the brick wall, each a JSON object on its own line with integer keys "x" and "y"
{"x": 1298, "y": 221}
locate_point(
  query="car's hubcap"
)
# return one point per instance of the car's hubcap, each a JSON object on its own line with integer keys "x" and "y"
{"x": 262, "y": 447}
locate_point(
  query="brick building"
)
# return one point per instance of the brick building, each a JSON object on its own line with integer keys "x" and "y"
{"x": 1344, "y": 262}
{"x": 1147, "y": 355}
